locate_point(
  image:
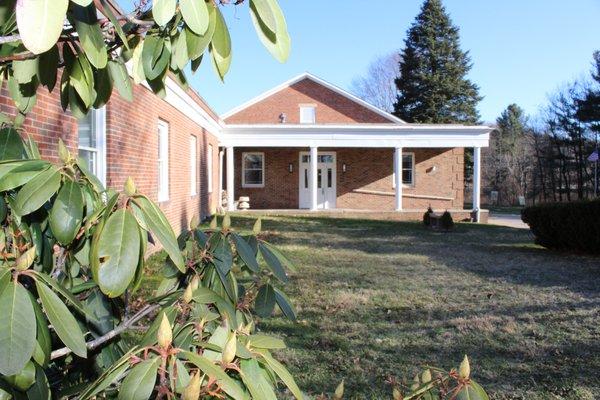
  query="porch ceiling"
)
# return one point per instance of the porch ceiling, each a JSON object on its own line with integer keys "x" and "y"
{"x": 359, "y": 135}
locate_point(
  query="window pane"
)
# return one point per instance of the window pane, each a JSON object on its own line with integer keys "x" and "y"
{"x": 89, "y": 158}
{"x": 306, "y": 178}
{"x": 305, "y": 159}
{"x": 326, "y": 158}
{"x": 407, "y": 177}
{"x": 319, "y": 178}
{"x": 87, "y": 137}
{"x": 253, "y": 177}
{"x": 307, "y": 115}
{"x": 407, "y": 162}
{"x": 329, "y": 174}
{"x": 253, "y": 161}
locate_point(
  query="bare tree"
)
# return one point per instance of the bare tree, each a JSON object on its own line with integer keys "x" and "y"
{"x": 377, "y": 86}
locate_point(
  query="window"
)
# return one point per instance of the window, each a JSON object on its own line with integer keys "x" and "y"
{"x": 209, "y": 168}
{"x": 163, "y": 161}
{"x": 92, "y": 142}
{"x": 193, "y": 166}
{"x": 408, "y": 170}
{"x": 308, "y": 115}
{"x": 253, "y": 170}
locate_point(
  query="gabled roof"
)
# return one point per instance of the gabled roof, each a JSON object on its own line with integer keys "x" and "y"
{"x": 321, "y": 82}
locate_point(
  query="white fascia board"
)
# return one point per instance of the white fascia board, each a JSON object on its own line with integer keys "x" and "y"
{"x": 372, "y": 138}
{"x": 178, "y": 98}
{"x": 306, "y": 75}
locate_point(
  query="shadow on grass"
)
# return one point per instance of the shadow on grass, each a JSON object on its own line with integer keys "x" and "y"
{"x": 377, "y": 298}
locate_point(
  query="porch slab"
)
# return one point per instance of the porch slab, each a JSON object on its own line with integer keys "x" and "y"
{"x": 405, "y": 215}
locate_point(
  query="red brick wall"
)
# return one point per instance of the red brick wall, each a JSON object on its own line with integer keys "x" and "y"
{"x": 331, "y": 107}
{"x": 133, "y": 140}
{"x": 132, "y": 147}
{"x": 46, "y": 123}
{"x": 366, "y": 169}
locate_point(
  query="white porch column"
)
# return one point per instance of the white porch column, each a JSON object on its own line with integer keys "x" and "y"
{"x": 398, "y": 177}
{"x": 221, "y": 158}
{"x": 230, "y": 180}
{"x": 477, "y": 180}
{"x": 313, "y": 178}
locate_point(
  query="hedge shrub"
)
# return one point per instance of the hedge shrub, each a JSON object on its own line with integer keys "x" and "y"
{"x": 565, "y": 226}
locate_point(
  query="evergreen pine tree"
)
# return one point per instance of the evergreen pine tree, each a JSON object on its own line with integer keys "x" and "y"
{"x": 432, "y": 86}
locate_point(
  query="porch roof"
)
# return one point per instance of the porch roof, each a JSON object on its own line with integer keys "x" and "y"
{"x": 355, "y": 135}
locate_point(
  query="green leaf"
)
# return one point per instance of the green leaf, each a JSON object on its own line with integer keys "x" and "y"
{"x": 228, "y": 385}
{"x": 195, "y": 14}
{"x": 282, "y": 373}
{"x": 271, "y": 27}
{"x": 25, "y": 70}
{"x": 116, "y": 256}
{"x": 273, "y": 262}
{"x": 81, "y": 79}
{"x": 197, "y": 44}
{"x": 103, "y": 85}
{"x": 24, "y": 96}
{"x": 107, "y": 10}
{"x": 62, "y": 320}
{"x": 155, "y": 56}
{"x": 17, "y": 329}
{"x": 41, "y": 388}
{"x": 285, "y": 305}
{"x": 137, "y": 65}
{"x": 265, "y": 301}
{"x": 37, "y": 191}
{"x": 265, "y": 342}
{"x": 24, "y": 379}
{"x": 90, "y": 35}
{"x": 221, "y": 46}
{"x": 66, "y": 294}
{"x": 67, "y": 212}
{"x": 221, "y": 251}
{"x": 163, "y": 11}
{"x": 11, "y": 144}
{"x": 254, "y": 379}
{"x": 44, "y": 340}
{"x": 204, "y": 295}
{"x": 160, "y": 227}
{"x": 48, "y": 68}
{"x": 17, "y": 174}
{"x": 40, "y": 23}
{"x": 108, "y": 376}
{"x": 139, "y": 383}
{"x": 179, "y": 58}
{"x": 120, "y": 78}
{"x": 245, "y": 252}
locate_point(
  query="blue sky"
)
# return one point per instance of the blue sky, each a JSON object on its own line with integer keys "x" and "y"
{"x": 521, "y": 49}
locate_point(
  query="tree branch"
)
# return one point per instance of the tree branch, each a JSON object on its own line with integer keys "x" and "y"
{"x": 126, "y": 325}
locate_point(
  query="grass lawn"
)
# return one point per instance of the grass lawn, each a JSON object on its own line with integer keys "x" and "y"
{"x": 377, "y": 299}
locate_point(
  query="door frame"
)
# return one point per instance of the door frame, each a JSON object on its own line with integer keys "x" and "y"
{"x": 304, "y": 194}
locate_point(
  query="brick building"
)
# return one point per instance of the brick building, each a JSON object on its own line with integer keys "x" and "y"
{"x": 307, "y": 144}
{"x": 303, "y": 145}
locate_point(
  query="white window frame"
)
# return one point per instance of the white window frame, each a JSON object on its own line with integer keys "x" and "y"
{"x": 253, "y": 185}
{"x": 312, "y": 107}
{"x": 193, "y": 165}
{"x": 163, "y": 161}
{"x": 98, "y": 127}
{"x": 413, "y": 171}
{"x": 209, "y": 168}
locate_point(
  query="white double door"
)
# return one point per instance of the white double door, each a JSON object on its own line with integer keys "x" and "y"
{"x": 326, "y": 180}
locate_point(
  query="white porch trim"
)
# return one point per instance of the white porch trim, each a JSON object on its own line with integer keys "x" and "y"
{"x": 477, "y": 180}
{"x": 359, "y": 135}
{"x": 398, "y": 177}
